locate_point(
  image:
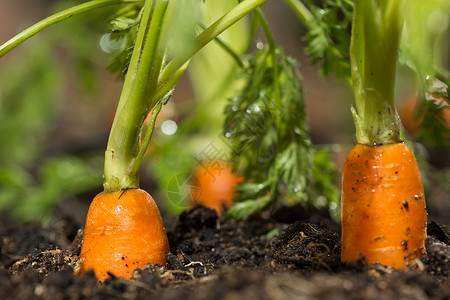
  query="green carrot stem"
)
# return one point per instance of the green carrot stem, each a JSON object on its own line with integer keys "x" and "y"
{"x": 134, "y": 167}
{"x": 223, "y": 44}
{"x": 300, "y": 10}
{"x": 145, "y": 84}
{"x": 374, "y": 47}
{"x": 55, "y": 18}
{"x": 273, "y": 47}
{"x": 209, "y": 34}
{"x": 266, "y": 28}
{"x": 168, "y": 86}
{"x": 139, "y": 86}
{"x": 163, "y": 90}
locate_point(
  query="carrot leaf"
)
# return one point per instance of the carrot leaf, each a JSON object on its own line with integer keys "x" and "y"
{"x": 123, "y": 27}
{"x": 328, "y": 38}
{"x": 267, "y": 131}
{"x": 56, "y": 18}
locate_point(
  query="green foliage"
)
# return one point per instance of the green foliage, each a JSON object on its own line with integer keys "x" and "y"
{"x": 328, "y": 36}
{"x": 433, "y": 128}
{"x": 26, "y": 113}
{"x": 125, "y": 22}
{"x": 265, "y": 124}
{"x": 31, "y": 183}
{"x": 27, "y": 197}
{"x": 424, "y": 38}
{"x": 267, "y": 131}
{"x": 424, "y": 50}
{"x": 123, "y": 26}
{"x": 170, "y": 164}
{"x": 423, "y": 47}
{"x": 32, "y": 90}
{"x": 185, "y": 23}
{"x": 211, "y": 73}
{"x": 325, "y": 174}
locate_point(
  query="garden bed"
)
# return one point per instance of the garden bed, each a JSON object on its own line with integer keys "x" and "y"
{"x": 291, "y": 255}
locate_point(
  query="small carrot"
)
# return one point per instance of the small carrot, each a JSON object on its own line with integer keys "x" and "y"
{"x": 213, "y": 185}
{"x": 123, "y": 232}
{"x": 383, "y": 206}
{"x": 407, "y": 112}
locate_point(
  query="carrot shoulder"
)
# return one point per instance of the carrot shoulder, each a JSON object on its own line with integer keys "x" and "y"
{"x": 383, "y": 206}
{"x": 124, "y": 231}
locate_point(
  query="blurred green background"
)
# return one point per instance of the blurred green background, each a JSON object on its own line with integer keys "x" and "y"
{"x": 57, "y": 101}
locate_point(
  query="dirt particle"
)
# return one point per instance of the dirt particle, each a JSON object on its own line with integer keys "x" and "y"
{"x": 405, "y": 244}
{"x": 406, "y": 205}
{"x": 307, "y": 245}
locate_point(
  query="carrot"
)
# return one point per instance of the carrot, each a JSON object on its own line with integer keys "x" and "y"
{"x": 124, "y": 229}
{"x": 382, "y": 197}
{"x": 123, "y": 232}
{"x": 383, "y": 206}
{"x": 213, "y": 185}
{"x": 407, "y": 114}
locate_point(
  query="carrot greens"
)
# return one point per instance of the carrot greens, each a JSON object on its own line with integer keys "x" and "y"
{"x": 146, "y": 65}
{"x": 376, "y": 33}
{"x": 139, "y": 87}
{"x": 56, "y": 18}
{"x": 36, "y": 170}
{"x": 421, "y": 49}
{"x": 267, "y": 131}
{"x": 327, "y": 37}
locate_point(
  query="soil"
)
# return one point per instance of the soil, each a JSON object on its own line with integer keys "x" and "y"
{"x": 291, "y": 255}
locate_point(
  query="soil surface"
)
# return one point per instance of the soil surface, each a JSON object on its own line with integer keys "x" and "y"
{"x": 291, "y": 255}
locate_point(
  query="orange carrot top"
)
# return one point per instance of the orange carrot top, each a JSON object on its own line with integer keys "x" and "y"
{"x": 123, "y": 231}
{"x": 383, "y": 206}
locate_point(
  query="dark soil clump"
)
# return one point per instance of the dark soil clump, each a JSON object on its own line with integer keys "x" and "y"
{"x": 215, "y": 258}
